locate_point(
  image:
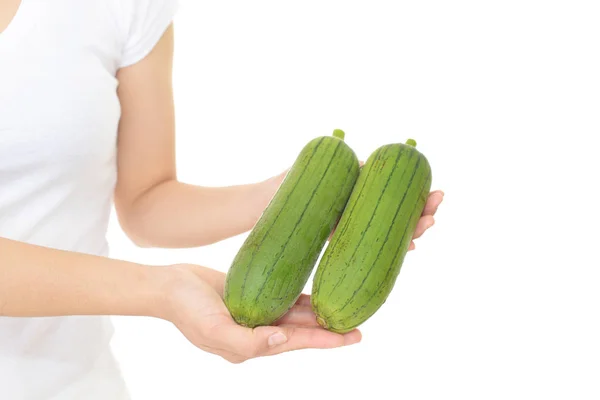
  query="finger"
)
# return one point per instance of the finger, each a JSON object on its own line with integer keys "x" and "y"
{"x": 246, "y": 342}
{"x": 314, "y": 338}
{"x": 333, "y": 230}
{"x": 433, "y": 202}
{"x": 234, "y": 338}
{"x": 269, "y": 340}
{"x": 411, "y": 246}
{"x": 303, "y": 300}
{"x": 317, "y": 326}
{"x": 425, "y": 222}
{"x": 299, "y": 316}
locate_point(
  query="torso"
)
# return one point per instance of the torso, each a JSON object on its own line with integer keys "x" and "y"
{"x": 59, "y": 114}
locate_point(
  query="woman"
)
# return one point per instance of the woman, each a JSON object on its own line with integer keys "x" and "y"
{"x": 86, "y": 115}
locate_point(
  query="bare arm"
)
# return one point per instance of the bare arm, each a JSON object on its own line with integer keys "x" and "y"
{"x": 157, "y": 210}
{"x": 37, "y": 281}
{"x": 154, "y": 208}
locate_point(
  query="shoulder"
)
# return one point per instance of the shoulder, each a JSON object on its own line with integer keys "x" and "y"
{"x": 141, "y": 23}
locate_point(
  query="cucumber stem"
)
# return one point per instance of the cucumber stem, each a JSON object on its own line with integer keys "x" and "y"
{"x": 411, "y": 142}
{"x": 338, "y": 133}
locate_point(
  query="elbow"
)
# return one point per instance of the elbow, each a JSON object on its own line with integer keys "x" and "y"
{"x": 141, "y": 241}
{"x": 135, "y": 227}
{"x": 136, "y": 234}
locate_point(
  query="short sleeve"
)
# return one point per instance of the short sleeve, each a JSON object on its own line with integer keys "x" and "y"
{"x": 144, "y": 23}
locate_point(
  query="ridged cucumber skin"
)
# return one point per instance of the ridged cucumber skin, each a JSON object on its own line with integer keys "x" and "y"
{"x": 363, "y": 259}
{"x": 273, "y": 265}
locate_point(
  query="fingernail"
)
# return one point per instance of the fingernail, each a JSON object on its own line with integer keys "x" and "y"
{"x": 277, "y": 339}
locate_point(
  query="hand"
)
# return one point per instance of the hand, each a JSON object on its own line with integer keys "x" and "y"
{"x": 196, "y": 308}
{"x": 425, "y": 222}
{"x": 427, "y": 218}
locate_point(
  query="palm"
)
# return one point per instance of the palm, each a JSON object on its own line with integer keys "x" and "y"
{"x": 205, "y": 300}
{"x": 203, "y": 318}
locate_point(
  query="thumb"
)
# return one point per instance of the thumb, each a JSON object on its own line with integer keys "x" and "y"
{"x": 249, "y": 342}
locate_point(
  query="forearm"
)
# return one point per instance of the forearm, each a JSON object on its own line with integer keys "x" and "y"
{"x": 178, "y": 215}
{"x": 38, "y": 282}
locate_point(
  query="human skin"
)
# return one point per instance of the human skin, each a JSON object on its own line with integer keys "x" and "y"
{"x": 155, "y": 209}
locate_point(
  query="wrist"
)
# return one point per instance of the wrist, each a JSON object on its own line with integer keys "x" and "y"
{"x": 168, "y": 283}
{"x": 152, "y": 298}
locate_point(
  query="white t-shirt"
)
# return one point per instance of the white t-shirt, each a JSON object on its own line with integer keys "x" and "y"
{"x": 59, "y": 113}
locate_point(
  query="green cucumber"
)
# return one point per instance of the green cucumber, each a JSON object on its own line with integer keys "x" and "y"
{"x": 274, "y": 263}
{"x": 363, "y": 259}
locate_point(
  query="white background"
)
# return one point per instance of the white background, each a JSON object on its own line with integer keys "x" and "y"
{"x": 501, "y": 299}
